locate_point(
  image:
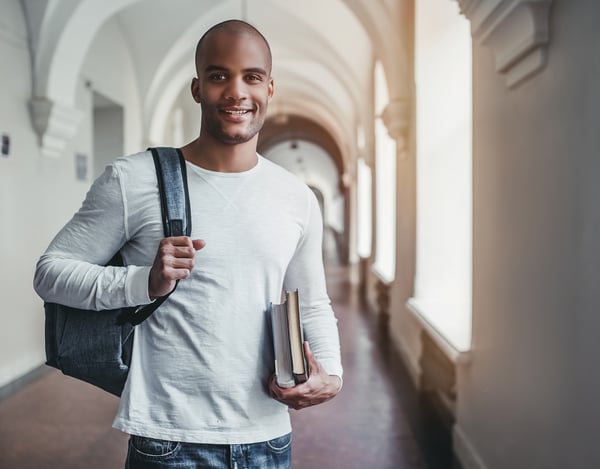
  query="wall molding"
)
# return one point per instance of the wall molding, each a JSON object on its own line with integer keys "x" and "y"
{"x": 396, "y": 118}
{"x": 54, "y": 125}
{"x": 517, "y": 31}
{"x": 410, "y": 360}
{"x": 19, "y": 383}
{"x": 464, "y": 450}
{"x": 457, "y": 356}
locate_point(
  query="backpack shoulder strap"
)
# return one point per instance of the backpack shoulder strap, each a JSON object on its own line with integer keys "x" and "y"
{"x": 174, "y": 196}
{"x": 175, "y": 208}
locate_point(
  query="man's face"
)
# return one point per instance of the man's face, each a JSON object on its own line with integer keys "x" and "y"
{"x": 234, "y": 86}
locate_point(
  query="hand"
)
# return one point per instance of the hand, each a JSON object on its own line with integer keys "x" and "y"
{"x": 320, "y": 387}
{"x": 174, "y": 261}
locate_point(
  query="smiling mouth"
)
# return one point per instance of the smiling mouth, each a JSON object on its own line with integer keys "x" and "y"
{"x": 236, "y": 112}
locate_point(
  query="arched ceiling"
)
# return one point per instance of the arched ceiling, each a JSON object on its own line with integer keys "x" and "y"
{"x": 308, "y": 60}
{"x": 323, "y": 52}
{"x": 294, "y": 128}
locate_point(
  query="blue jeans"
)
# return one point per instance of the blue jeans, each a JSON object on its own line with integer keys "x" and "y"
{"x": 149, "y": 453}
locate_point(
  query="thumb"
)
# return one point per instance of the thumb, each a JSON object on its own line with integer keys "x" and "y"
{"x": 307, "y": 350}
{"x": 313, "y": 365}
{"x": 198, "y": 244}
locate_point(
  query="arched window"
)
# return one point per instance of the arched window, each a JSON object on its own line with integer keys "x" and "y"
{"x": 364, "y": 212}
{"x": 385, "y": 186}
{"x": 443, "y": 67}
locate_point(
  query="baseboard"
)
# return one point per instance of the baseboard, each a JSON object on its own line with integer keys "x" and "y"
{"x": 464, "y": 450}
{"x": 19, "y": 383}
{"x": 410, "y": 363}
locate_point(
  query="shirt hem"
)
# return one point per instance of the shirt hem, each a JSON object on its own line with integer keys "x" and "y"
{"x": 220, "y": 437}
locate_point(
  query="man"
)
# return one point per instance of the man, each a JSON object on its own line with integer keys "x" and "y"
{"x": 200, "y": 390}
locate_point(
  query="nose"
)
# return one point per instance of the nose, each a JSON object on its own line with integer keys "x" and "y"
{"x": 236, "y": 90}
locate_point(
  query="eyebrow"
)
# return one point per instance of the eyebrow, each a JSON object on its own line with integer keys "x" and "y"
{"x": 217, "y": 68}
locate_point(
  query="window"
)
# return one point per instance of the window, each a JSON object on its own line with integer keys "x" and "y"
{"x": 443, "y": 286}
{"x": 385, "y": 187}
{"x": 364, "y": 209}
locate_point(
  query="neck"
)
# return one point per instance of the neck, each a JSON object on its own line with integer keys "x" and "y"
{"x": 216, "y": 156}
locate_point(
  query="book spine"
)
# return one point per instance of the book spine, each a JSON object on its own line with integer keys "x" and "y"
{"x": 281, "y": 349}
{"x": 299, "y": 367}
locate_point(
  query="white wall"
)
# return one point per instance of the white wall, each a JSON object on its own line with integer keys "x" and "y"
{"x": 191, "y": 114}
{"x": 39, "y": 194}
{"x": 109, "y": 69}
{"x": 529, "y": 398}
{"x": 21, "y": 346}
{"x": 108, "y": 138}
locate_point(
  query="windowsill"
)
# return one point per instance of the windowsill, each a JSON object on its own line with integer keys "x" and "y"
{"x": 433, "y": 317}
{"x": 385, "y": 279}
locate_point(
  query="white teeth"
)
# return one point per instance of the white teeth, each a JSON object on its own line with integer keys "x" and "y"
{"x": 237, "y": 113}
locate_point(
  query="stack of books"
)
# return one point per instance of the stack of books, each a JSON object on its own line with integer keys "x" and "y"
{"x": 288, "y": 341}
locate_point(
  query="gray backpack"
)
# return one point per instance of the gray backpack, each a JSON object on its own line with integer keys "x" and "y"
{"x": 95, "y": 346}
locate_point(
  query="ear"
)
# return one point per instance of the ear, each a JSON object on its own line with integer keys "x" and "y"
{"x": 271, "y": 89}
{"x": 195, "y": 89}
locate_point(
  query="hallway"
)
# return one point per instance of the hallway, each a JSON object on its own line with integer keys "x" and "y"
{"x": 453, "y": 149}
{"x": 57, "y": 422}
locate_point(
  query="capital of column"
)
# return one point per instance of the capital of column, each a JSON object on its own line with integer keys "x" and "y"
{"x": 54, "y": 124}
{"x": 517, "y": 31}
{"x": 396, "y": 117}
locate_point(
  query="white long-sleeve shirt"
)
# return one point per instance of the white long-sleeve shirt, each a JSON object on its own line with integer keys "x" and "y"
{"x": 201, "y": 363}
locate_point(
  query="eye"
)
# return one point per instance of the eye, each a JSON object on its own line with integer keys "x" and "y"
{"x": 254, "y": 78}
{"x": 217, "y": 76}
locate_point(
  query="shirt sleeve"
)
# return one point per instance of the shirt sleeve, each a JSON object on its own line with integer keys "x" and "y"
{"x": 73, "y": 269}
{"x": 306, "y": 273}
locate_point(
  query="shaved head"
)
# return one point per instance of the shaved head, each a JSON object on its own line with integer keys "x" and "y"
{"x": 233, "y": 27}
{"x": 234, "y": 83}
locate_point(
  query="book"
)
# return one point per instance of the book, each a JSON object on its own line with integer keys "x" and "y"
{"x": 288, "y": 341}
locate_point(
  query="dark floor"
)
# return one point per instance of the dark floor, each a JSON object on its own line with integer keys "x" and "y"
{"x": 377, "y": 421}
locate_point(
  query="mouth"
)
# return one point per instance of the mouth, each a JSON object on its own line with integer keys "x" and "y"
{"x": 236, "y": 115}
{"x": 236, "y": 112}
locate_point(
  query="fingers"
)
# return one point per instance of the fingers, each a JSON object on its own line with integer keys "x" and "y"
{"x": 198, "y": 244}
{"x": 177, "y": 252}
{"x": 180, "y": 246}
{"x": 319, "y": 387}
{"x": 177, "y": 269}
{"x": 274, "y": 388}
{"x": 288, "y": 396}
{"x": 174, "y": 261}
{"x": 176, "y": 257}
{"x": 185, "y": 241}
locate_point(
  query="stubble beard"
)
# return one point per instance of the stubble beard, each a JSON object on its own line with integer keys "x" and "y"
{"x": 218, "y": 132}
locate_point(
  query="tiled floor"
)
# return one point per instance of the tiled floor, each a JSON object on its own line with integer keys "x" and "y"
{"x": 377, "y": 421}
